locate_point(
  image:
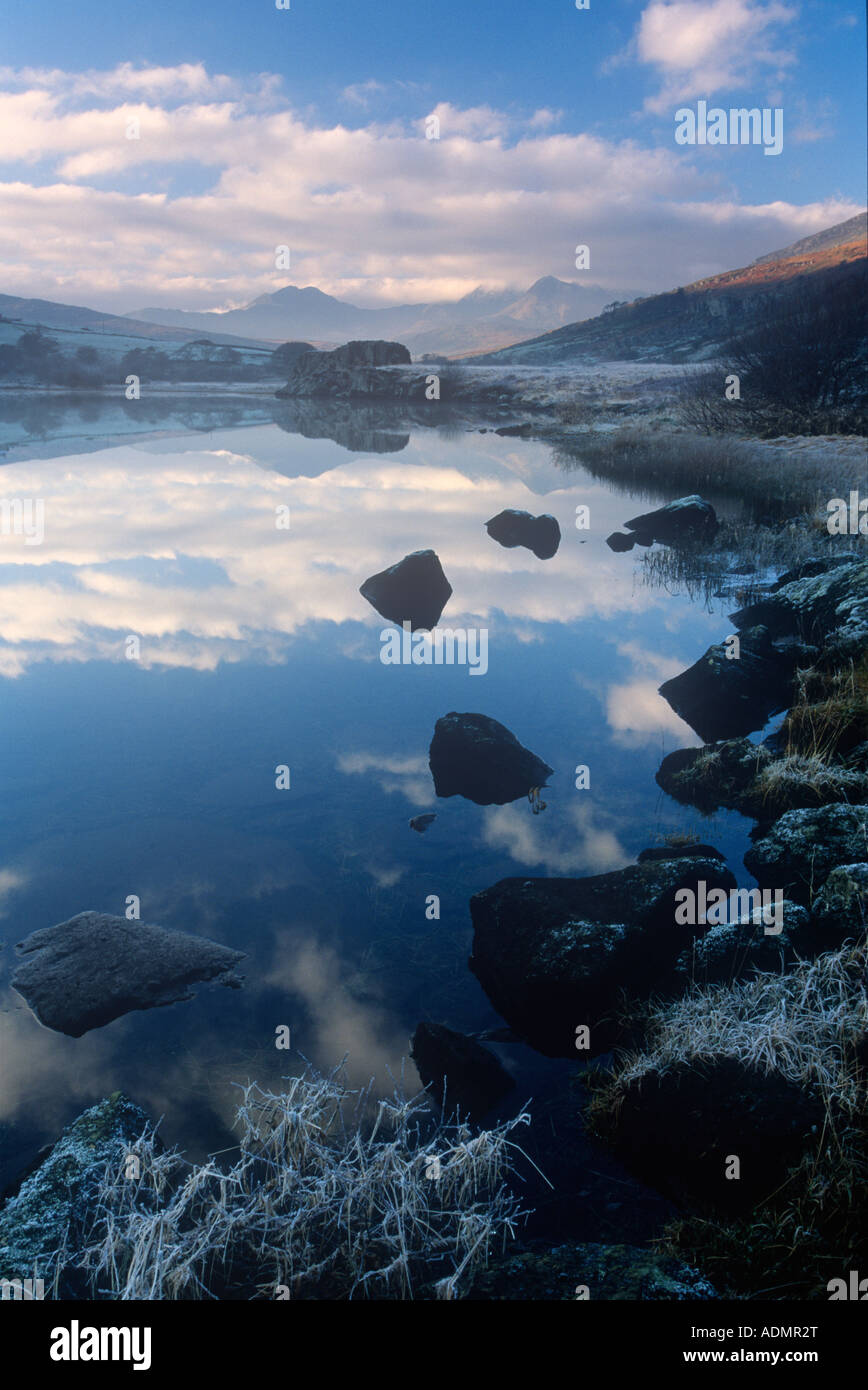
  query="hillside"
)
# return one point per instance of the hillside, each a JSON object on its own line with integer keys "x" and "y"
{"x": 694, "y": 322}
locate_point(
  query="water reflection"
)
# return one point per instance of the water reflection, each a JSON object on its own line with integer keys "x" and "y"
{"x": 156, "y": 775}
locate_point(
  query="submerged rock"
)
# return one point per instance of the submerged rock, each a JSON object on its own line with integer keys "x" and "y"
{"x": 722, "y": 698}
{"x": 541, "y": 534}
{"x": 83, "y": 973}
{"x": 653, "y": 856}
{"x": 474, "y": 756}
{"x": 619, "y": 541}
{"x": 554, "y": 954}
{"x": 609, "y": 1272}
{"x": 55, "y": 1202}
{"x": 684, "y": 520}
{"x": 420, "y": 823}
{"x": 798, "y": 853}
{"x": 415, "y": 590}
{"x": 460, "y": 1073}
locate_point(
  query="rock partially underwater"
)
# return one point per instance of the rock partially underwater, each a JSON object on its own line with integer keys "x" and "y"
{"x": 473, "y": 756}
{"x": 84, "y": 973}
{"x": 415, "y": 590}
{"x": 55, "y": 1202}
{"x": 553, "y": 954}
{"x": 460, "y": 1073}
{"x": 541, "y": 534}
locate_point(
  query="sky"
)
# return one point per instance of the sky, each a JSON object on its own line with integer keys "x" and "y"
{"x": 158, "y": 153}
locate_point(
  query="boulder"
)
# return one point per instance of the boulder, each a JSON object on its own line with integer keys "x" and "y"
{"x": 630, "y": 1273}
{"x": 460, "y": 1073}
{"x": 721, "y": 697}
{"x": 473, "y": 756}
{"x": 719, "y": 774}
{"x": 840, "y": 909}
{"x": 554, "y": 954}
{"x": 415, "y": 590}
{"x": 420, "y": 823}
{"x": 734, "y": 950}
{"x": 685, "y": 520}
{"x": 54, "y": 1203}
{"x": 83, "y": 973}
{"x": 541, "y": 534}
{"x": 619, "y": 541}
{"x": 798, "y": 853}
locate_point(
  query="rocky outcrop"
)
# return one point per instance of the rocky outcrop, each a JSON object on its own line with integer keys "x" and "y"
{"x": 724, "y": 697}
{"x": 415, "y": 590}
{"x": 556, "y": 954}
{"x": 83, "y": 973}
{"x": 55, "y": 1202}
{"x": 460, "y": 1073}
{"x": 346, "y": 371}
{"x": 541, "y": 534}
{"x": 566, "y": 1273}
{"x": 798, "y": 853}
{"x": 473, "y": 756}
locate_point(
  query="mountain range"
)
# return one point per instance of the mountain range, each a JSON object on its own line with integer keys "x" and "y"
{"x": 478, "y": 322}
{"x": 694, "y": 322}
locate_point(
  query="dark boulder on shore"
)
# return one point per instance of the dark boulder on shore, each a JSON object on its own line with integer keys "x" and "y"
{"x": 686, "y": 520}
{"x": 415, "y": 590}
{"x": 541, "y": 534}
{"x": 460, "y": 1073}
{"x": 829, "y": 609}
{"x": 719, "y": 774}
{"x": 678, "y": 1128}
{"x": 722, "y": 697}
{"x": 474, "y": 756}
{"x": 553, "y": 954}
{"x": 798, "y": 853}
{"x": 84, "y": 973}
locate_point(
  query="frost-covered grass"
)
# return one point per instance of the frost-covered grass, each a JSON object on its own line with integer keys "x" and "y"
{"x": 808, "y": 1027}
{"x": 322, "y": 1202}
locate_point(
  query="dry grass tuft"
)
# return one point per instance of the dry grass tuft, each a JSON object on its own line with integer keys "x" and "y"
{"x": 318, "y": 1203}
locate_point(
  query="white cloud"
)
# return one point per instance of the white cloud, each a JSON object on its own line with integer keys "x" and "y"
{"x": 702, "y": 47}
{"x": 371, "y": 212}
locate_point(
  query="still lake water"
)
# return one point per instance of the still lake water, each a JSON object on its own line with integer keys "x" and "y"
{"x": 156, "y": 777}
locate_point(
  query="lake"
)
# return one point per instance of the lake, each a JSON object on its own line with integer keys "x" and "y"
{"x": 156, "y": 776}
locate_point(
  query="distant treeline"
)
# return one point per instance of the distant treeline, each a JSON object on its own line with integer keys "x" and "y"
{"x": 38, "y": 358}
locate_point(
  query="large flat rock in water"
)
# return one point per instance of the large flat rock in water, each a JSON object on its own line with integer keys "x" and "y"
{"x": 83, "y": 973}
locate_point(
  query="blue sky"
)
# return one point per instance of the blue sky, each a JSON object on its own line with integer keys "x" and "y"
{"x": 305, "y": 127}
